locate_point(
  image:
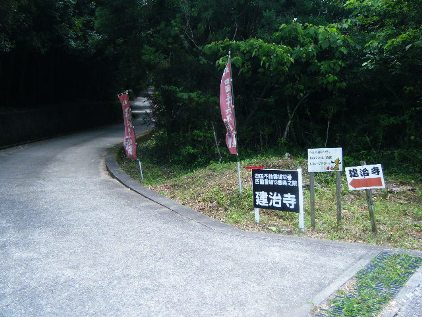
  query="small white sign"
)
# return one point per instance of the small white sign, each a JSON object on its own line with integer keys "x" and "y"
{"x": 325, "y": 160}
{"x": 365, "y": 177}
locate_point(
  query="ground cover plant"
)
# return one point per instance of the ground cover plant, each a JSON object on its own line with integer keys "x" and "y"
{"x": 212, "y": 189}
{"x": 372, "y": 287}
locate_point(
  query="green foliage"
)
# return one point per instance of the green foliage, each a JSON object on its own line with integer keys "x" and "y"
{"x": 306, "y": 73}
{"x": 49, "y": 53}
{"x": 299, "y": 63}
{"x": 375, "y": 286}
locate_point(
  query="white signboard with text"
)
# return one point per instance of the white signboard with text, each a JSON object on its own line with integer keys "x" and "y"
{"x": 325, "y": 160}
{"x": 365, "y": 177}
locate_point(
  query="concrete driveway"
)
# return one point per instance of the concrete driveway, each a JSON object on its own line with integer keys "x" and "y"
{"x": 75, "y": 242}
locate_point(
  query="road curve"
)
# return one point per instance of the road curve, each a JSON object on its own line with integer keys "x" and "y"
{"x": 76, "y": 242}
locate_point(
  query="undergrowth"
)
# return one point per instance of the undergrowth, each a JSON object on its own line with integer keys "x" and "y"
{"x": 213, "y": 190}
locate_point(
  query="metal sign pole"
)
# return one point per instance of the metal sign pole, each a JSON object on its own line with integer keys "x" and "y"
{"x": 238, "y": 175}
{"x": 256, "y": 215}
{"x": 301, "y": 207}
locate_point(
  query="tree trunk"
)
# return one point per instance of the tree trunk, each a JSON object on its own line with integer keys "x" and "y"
{"x": 291, "y": 115}
{"x": 326, "y": 133}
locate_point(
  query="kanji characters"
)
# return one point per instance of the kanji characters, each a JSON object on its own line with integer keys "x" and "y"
{"x": 275, "y": 199}
{"x": 353, "y": 172}
{"x": 289, "y": 200}
{"x": 261, "y": 198}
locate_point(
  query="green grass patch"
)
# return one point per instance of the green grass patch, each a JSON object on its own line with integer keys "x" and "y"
{"x": 213, "y": 190}
{"x": 372, "y": 288}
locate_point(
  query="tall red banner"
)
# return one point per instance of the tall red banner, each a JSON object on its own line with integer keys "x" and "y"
{"x": 129, "y": 140}
{"x": 227, "y": 108}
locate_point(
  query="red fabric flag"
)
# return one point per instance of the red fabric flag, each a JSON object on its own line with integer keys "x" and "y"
{"x": 129, "y": 140}
{"x": 227, "y": 108}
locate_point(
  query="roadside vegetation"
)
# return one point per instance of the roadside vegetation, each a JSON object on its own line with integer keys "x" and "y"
{"x": 372, "y": 287}
{"x": 213, "y": 190}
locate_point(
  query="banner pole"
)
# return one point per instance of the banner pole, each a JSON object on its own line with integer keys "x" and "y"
{"x": 140, "y": 169}
{"x": 238, "y": 174}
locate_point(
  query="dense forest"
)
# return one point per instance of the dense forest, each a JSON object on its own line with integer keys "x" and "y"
{"x": 306, "y": 73}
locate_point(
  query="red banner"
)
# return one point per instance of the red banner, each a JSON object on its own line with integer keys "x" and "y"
{"x": 227, "y": 108}
{"x": 129, "y": 140}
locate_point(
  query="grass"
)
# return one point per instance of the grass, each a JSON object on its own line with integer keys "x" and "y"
{"x": 213, "y": 190}
{"x": 372, "y": 287}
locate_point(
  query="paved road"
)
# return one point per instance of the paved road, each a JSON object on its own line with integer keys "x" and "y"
{"x": 75, "y": 242}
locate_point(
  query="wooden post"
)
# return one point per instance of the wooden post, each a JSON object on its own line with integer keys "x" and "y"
{"x": 371, "y": 206}
{"x": 312, "y": 198}
{"x": 338, "y": 196}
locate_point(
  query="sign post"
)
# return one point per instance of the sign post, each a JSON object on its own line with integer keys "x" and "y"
{"x": 366, "y": 177}
{"x": 338, "y": 196}
{"x": 325, "y": 160}
{"x": 256, "y": 210}
{"x": 278, "y": 190}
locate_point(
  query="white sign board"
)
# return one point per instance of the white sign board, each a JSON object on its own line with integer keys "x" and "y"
{"x": 325, "y": 160}
{"x": 365, "y": 177}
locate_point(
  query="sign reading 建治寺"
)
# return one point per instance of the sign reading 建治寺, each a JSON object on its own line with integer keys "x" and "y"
{"x": 276, "y": 189}
{"x": 325, "y": 160}
{"x": 365, "y": 177}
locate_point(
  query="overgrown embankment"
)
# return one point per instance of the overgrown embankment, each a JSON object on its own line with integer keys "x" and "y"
{"x": 212, "y": 190}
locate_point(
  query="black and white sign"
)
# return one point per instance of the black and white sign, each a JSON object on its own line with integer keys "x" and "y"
{"x": 276, "y": 189}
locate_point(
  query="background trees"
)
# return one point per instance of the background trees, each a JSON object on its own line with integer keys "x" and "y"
{"x": 306, "y": 73}
{"x": 49, "y": 53}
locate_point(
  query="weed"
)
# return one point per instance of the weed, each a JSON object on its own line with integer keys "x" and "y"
{"x": 372, "y": 287}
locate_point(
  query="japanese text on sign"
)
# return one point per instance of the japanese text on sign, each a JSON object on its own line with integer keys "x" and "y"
{"x": 276, "y": 189}
{"x": 227, "y": 108}
{"x": 365, "y": 177}
{"x": 325, "y": 160}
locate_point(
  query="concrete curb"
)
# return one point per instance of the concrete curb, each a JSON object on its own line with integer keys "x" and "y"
{"x": 115, "y": 171}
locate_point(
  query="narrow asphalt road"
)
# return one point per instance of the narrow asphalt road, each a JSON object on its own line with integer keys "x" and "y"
{"x": 75, "y": 242}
